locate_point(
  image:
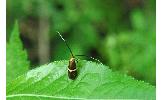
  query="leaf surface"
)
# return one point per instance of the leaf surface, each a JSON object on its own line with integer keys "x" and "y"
{"x": 16, "y": 61}
{"x": 94, "y": 81}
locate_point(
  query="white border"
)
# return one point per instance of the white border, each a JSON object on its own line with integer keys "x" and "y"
{"x": 2, "y": 49}
{"x": 158, "y": 49}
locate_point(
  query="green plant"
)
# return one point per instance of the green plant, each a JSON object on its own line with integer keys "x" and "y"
{"x": 94, "y": 81}
{"x": 134, "y": 51}
{"x": 50, "y": 81}
{"x": 120, "y": 33}
{"x": 17, "y": 62}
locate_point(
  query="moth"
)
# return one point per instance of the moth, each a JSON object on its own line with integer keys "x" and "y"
{"x": 72, "y": 69}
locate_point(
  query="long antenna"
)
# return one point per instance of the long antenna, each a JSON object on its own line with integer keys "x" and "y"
{"x": 90, "y": 57}
{"x": 65, "y": 43}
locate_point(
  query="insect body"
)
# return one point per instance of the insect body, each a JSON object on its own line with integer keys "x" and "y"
{"x": 72, "y": 70}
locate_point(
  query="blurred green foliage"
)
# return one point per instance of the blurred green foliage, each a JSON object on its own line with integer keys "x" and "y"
{"x": 121, "y": 33}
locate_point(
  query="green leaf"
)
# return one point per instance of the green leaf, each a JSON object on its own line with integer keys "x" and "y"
{"x": 94, "y": 81}
{"x": 17, "y": 62}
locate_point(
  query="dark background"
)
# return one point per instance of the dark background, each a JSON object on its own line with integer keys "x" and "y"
{"x": 120, "y": 33}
